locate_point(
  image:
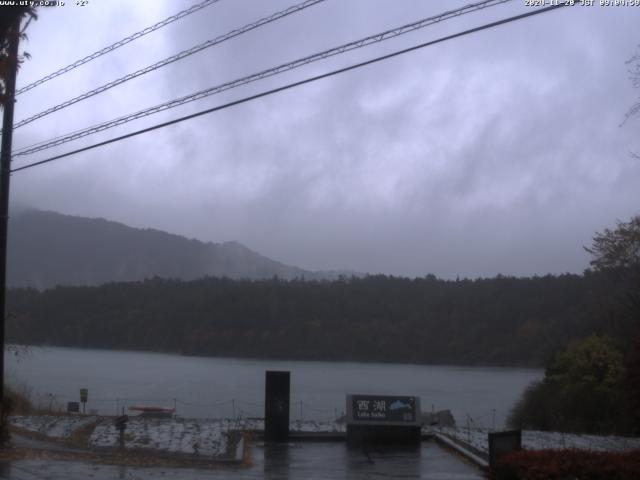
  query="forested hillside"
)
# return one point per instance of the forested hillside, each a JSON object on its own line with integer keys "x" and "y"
{"x": 499, "y": 321}
{"x": 48, "y": 249}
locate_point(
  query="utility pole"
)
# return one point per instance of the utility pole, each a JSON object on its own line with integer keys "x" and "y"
{"x": 13, "y": 36}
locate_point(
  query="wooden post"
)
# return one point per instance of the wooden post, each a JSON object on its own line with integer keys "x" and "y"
{"x": 13, "y": 35}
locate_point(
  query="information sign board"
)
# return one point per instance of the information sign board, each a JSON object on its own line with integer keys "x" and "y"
{"x": 383, "y": 420}
{"x": 383, "y": 408}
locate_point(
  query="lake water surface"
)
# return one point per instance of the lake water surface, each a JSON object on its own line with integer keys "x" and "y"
{"x": 224, "y": 387}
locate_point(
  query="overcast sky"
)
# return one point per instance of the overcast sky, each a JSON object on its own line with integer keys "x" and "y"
{"x": 499, "y": 152}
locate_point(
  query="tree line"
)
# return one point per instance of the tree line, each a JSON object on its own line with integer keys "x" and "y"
{"x": 495, "y": 321}
{"x": 593, "y": 385}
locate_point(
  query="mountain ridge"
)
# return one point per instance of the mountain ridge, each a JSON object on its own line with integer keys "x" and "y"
{"x": 47, "y": 249}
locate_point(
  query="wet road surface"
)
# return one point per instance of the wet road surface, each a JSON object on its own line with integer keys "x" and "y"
{"x": 295, "y": 461}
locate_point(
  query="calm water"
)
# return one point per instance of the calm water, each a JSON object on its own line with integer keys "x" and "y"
{"x": 221, "y": 387}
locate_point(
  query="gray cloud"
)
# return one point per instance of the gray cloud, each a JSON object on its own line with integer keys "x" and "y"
{"x": 499, "y": 152}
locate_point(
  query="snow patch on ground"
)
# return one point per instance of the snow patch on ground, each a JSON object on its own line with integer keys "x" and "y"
{"x": 176, "y": 435}
{"x": 535, "y": 440}
{"x": 53, "y": 426}
{"x": 209, "y": 436}
{"x": 308, "y": 426}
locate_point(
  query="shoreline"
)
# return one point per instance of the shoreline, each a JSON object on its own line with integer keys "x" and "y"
{"x": 399, "y": 363}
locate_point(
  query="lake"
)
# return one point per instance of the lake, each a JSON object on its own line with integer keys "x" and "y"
{"x": 226, "y": 387}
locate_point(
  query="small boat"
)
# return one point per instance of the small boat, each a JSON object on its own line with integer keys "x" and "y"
{"x": 153, "y": 411}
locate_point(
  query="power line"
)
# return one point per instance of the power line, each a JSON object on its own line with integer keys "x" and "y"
{"x": 378, "y": 37}
{"x": 296, "y": 84}
{"x": 119, "y": 44}
{"x": 171, "y": 59}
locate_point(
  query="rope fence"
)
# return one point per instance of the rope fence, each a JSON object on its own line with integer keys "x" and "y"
{"x": 239, "y": 410}
{"x": 299, "y": 410}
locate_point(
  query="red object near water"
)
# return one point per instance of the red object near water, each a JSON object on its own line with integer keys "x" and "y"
{"x": 153, "y": 411}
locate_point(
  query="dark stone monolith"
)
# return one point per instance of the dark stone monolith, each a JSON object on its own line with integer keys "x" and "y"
{"x": 276, "y": 406}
